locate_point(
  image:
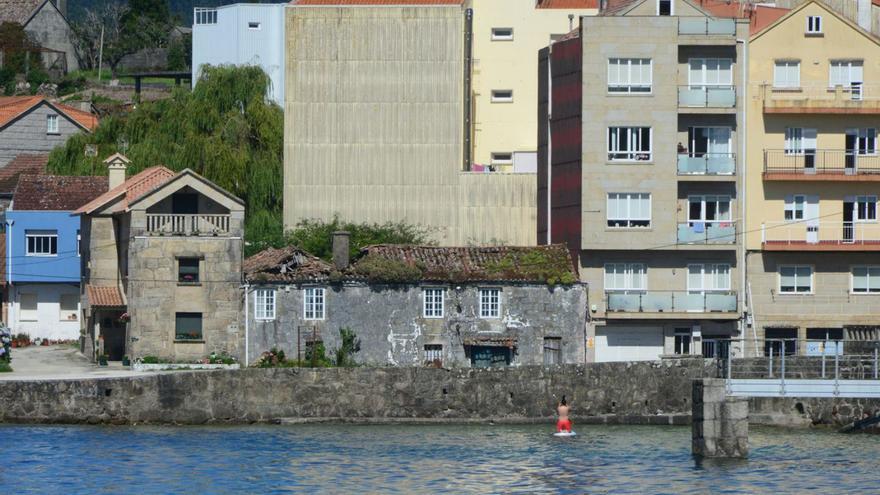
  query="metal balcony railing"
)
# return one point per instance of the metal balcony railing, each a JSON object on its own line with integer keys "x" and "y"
{"x": 707, "y": 232}
{"x": 802, "y": 232}
{"x": 671, "y": 301}
{"x": 818, "y": 97}
{"x": 706, "y": 163}
{"x": 187, "y": 224}
{"x": 821, "y": 162}
{"x": 696, "y": 96}
{"x": 706, "y": 26}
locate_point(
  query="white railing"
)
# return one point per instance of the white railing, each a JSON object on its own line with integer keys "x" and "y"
{"x": 822, "y": 93}
{"x": 805, "y": 233}
{"x": 187, "y": 224}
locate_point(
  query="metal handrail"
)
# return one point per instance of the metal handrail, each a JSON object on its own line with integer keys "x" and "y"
{"x": 821, "y": 162}
{"x": 806, "y": 231}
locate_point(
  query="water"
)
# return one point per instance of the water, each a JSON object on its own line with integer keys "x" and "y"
{"x": 423, "y": 459}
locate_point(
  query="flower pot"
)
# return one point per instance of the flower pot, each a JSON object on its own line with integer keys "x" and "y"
{"x": 126, "y": 361}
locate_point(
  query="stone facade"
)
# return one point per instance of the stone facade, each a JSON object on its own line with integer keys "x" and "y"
{"x": 28, "y": 133}
{"x": 50, "y": 29}
{"x": 390, "y": 322}
{"x": 720, "y": 423}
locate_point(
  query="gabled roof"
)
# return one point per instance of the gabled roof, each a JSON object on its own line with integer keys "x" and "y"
{"x": 824, "y": 7}
{"x": 105, "y": 297}
{"x": 56, "y": 192}
{"x": 31, "y": 164}
{"x": 759, "y": 16}
{"x": 129, "y": 191}
{"x": 13, "y": 107}
{"x": 183, "y": 173}
{"x": 567, "y": 4}
{"x": 19, "y": 11}
{"x": 289, "y": 264}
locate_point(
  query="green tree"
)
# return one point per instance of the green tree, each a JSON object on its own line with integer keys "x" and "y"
{"x": 348, "y": 347}
{"x": 315, "y": 236}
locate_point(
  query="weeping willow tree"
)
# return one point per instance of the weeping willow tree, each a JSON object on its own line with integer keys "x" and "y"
{"x": 225, "y": 129}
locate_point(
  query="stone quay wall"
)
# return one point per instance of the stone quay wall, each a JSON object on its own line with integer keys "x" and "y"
{"x": 638, "y": 393}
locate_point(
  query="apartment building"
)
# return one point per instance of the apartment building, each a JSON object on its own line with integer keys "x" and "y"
{"x": 813, "y": 180}
{"x": 640, "y": 127}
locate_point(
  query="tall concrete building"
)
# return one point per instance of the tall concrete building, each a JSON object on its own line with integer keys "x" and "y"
{"x": 813, "y": 180}
{"x": 640, "y": 124}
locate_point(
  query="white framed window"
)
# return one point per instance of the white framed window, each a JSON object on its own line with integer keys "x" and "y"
{"x": 203, "y": 15}
{"x": 502, "y": 34}
{"x": 787, "y": 74}
{"x": 629, "y": 144}
{"x": 711, "y": 141}
{"x": 434, "y": 354}
{"x": 709, "y": 208}
{"x": 490, "y": 303}
{"x": 552, "y": 351}
{"x": 264, "y": 304}
{"x": 630, "y": 75}
{"x": 795, "y": 279}
{"x": 502, "y": 158}
{"x": 683, "y": 338}
{"x": 626, "y": 277}
{"x": 502, "y": 96}
{"x": 795, "y": 205}
{"x": 313, "y": 304}
{"x": 433, "y": 302}
{"x": 845, "y": 72}
{"x": 68, "y": 307}
{"x": 27, "y": 304}
{"x": 814, "y": 24}
{"x": 866, "y": 209}
{"x": 628, "y": 210}
{"x": 710, "y": 72}
{"x": 866, "y": 279}
{"x": 704, "y": 277}
{"x": 863, "y": 140}
{"x": 254, "y": 26}
{"x": 799, "y": 139}
{"x": 52, "y": 124}
{"x": 41, "y": 242}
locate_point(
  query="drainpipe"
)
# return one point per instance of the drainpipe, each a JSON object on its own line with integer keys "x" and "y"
{"x": 247, "y": 318}
{"x": 744, "y": 229}
{"x": 10, "y": 289}
{"x": 549, "y": 137}
{"x": 468, "y": 63}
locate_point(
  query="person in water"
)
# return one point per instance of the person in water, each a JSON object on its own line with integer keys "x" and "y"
{"x": 563, "y": 424}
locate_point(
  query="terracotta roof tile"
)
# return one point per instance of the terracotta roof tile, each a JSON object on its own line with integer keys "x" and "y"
{"x": 567, "y": 4}
{"x": 376, "y": 2}
{"x": 18, "y": 11}
{"x": 288, "y": 264}
{"x": 11, "y": 107}
{"x": 105, "y": 297}
{"x": 30, "y": 164}
{"x": 130, "y": 190}
{"x": 56, "y": 192}
{"x": 760, "y": 16}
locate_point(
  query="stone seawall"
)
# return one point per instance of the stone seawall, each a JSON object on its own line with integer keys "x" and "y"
{"x": 647, "y": 392}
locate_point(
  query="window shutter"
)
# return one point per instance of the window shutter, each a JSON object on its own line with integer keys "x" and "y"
{"x": 860, "y": 279}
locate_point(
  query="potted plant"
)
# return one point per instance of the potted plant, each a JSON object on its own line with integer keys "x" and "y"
{"x": 124, "y": 317}
{"x": 126, "y": 361}
{"x": 102, "y": 360}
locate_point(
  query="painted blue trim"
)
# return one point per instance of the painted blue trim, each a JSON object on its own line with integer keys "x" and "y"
{"x": 64, "y": 267}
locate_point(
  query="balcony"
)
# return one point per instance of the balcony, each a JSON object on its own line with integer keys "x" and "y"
{"x": 713, "y": 232}
{"x": 818, "y": 99}
{"x": 820, "y": 236}
{"x": 706, "y": 164}
{"x": 707, "y": 97}
{"x": 187, "y": 224}
{"x": 670, "y": 301}
{"x": 706, "y": 26}
{"x": 827, "y": 165}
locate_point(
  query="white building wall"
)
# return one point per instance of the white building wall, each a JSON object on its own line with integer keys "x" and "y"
{"x": 628, "y": 343}
{"x": 232, "y": 42}
{"x": 48, "y": 322}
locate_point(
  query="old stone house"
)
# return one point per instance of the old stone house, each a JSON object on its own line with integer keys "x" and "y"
{"x": 419, "y": 305}
{"x": 46, "y": 23}
{"x": 161, "y": 254}
{"x": 33, "y": 124}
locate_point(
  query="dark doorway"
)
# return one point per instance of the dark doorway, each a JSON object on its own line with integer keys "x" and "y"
{"x": 490, "y": 356}
{"x": 851, "y": 150}
{"x": 790, "y": 344}
{"x": 665, "y": 7}
{"x": 184, "y": 203}
{"x": 848, "y": 227}
{"x": 113, "y": 332}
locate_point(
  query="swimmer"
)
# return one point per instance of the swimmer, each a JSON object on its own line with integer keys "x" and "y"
{"x": 563, "y": 424}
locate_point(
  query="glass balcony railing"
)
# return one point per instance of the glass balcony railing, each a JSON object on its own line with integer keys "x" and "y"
{"x": 707, "y": 96}
{"x": 671, "y": 301}
{"x": 706, "y": 164}
{"x": 706, "y": 26}
{"x": 714, "y": 232}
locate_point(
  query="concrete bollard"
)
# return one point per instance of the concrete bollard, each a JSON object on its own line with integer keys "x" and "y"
{"x": 720, "y": 423}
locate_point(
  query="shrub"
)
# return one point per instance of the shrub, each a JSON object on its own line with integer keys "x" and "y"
{"x": 222, "y": 358}
{"x": 4, "y": 367}
{"x": 5, "y": 346}
{"x": 377, "y": 269}
{"x": 350, "y": 346}
{"x": 149, "y": 360}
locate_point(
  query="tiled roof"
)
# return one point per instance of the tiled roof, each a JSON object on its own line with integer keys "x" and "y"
{"x": 759, "y": 16}
{"x": 376, "y": 2}
{"x": 18, "y": 11}
{"x": 12, "y": 107}
{"x": 288, "y": 264}
{"x": 30, "y": 164}
{"x": 614, "y": 7}
{"x": 567, "y": 4}
{"x": 56, "y": 192}
{"x": 130, "y": 190}
{"x": 105, "y": 297}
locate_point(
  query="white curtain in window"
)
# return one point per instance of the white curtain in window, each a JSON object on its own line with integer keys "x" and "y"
{"x": 845, "y": 72}
{"x": 787, "y": 74}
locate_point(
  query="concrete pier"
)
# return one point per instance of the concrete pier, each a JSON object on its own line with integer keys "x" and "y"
{"x": 720, "y": 423}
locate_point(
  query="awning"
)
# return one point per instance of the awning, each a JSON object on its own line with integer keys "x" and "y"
{"x": 105, "y": 297}
{"x": 491, "y": 341}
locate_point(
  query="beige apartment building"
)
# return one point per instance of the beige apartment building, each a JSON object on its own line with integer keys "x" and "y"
{"x": 813, "y": 180}
{"x": 507, "y": 35}
{"x": 641, "y": 172}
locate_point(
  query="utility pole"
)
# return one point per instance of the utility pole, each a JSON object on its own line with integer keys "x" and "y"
{"x": 100, "y": 53}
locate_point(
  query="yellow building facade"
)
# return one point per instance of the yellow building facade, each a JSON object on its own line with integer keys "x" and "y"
{"x": 507, "y": 35}
{"x": 812, "y": 181}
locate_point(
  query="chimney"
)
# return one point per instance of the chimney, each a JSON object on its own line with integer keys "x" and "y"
{"x": 116, "y": 165}
{"x": 340, "y": 249}
{"x": 864, "y": 14}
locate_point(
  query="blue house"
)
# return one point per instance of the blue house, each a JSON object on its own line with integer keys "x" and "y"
{"x": 42, "y": 254}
